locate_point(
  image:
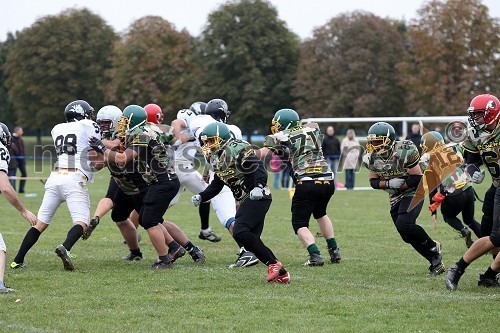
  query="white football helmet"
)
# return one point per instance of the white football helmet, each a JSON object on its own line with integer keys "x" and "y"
{"x": 107, "y": 117}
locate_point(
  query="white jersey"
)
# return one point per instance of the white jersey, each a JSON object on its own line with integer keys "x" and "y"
{"x": 71, "y": 141}
{"x": 198, "y": 123}
{"x": 4, "y": 158}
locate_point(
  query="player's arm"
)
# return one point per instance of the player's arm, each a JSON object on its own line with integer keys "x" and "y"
{"x": 12, "y": 197}
{"x": 252, "y": 168}
{"x": 120, "y": 158}
{"x": 212, "y": 190}
{"x": 263, "y": 153}
{"x": 179, "y": 125}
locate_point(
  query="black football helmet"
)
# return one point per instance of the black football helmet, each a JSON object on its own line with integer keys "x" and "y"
{"x": 217, "y": 109}
{"x": 78, "y": 110}
{"x": 198, "y": 107}
{"x": 5, "y": 136}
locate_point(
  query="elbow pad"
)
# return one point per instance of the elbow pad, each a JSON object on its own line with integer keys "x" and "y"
{"x": 375, "y": 183}
{"x": 413, "y": 180}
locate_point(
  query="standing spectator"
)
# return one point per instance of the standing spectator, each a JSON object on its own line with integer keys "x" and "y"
{"x": 13, "y": 163}
{"x": 276, "y": 168}
{"x": 415, "y": 136}
{"x": 351, "y": 150}
{"x": 18, "y": 143}
{"x": 331, "y": 150}
{"x": 285, "y": 178}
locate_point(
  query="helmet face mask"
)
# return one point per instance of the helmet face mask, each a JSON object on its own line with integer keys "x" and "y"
{"x": 430, "y": 141}
{"x": 214, "y": 137}
{"x": 484, "y": 110}
{"x": 381, "y": 139}
{"x": 105, "y": 125}
{"x": 133, "y": 116}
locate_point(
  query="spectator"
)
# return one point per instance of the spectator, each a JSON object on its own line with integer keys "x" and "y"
{"x": 351, "y": 150}
{"x": 331, "y": 150}
{"x": 18, "y": 156}
{"x": 285, "y": 178}
{"x": 276, "y": 168}
{"x": 415, "y": 136}
{"x": 13, "y": 163}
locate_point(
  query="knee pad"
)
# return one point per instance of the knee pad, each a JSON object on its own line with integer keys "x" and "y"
{"x": 299, "y": 224}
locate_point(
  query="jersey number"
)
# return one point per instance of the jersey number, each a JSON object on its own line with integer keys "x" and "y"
{"x": 302, "y": 138}
{"x": 66, "y": 144}
{"x": 490, "y": 158}
{"x": 4, "y": 156}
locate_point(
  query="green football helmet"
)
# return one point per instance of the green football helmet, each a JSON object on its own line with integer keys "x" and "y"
{"x": 214, "y": 136}
{"x": 381, "y": 138}
{"x": 284, "y": 119}
{"x": 430, "y": 141}
{"x": 132, "y": 117}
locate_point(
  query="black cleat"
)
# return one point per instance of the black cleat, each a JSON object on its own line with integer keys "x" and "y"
{"x": 132, "y": 257}
{"x": 453, "y": 275}
{"x": 334, "y": 255}
{"x": 488, "y": 282}
{"x": 64, "y": 255}
{"x": 209, "y": 237}
{"x": 197, "y": 255}
{"x": 162, "y": 264}
{"x": 245, "y": 259}
{"x": 436, "y": 267}
{"x": 94, "y": 222}
{"x": 174, "y": 255}
{"x": 467, "y": 236}
{"x": 315, "y": 259}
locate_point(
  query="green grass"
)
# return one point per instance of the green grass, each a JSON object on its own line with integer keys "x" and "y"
{"x": 380, "y": 285}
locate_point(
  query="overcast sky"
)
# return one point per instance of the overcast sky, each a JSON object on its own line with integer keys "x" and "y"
{"x": 301, "y": 16}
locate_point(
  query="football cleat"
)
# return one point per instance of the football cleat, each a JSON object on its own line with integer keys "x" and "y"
{"x": 334, "y": 255}
{"x": 160, "y": 264}
{"x": 245, "y": 259}
{"x": 315, "y": 259}
{"x": 436, "y": 267}
{"x": 93, "y": 224}
{"x": 197, "y": 254}
{"x": 273, "y": 271}
{"x": 453, "y": 275}
{"x": 283, "y": 278}
{"x": 174, "y": 255}
{"x": 15, "y": 265}
{"x": 132, "y": 257}
{"x": 5, "y": 290}
{"x": 467, "y": 236}
{"x": 65, "y": 257}
{"x": 210, "y": 236}
{"x": 488, "y": 282}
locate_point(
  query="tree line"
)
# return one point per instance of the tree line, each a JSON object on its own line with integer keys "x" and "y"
{"x": 356, "y": 64}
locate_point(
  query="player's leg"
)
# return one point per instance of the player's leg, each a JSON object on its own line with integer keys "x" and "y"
{"x": 52, "y": 199}
{"x": 468, "y": 212}
{"x": 451, "y": 206}
{"x": 3, "y": 250}
{"x": 103, "y": 207}
{"x": 324, "y": 192}
{"x": 194, "y": 251}
{"x": 302, "y": 209}
{"x": 123, "y": 206}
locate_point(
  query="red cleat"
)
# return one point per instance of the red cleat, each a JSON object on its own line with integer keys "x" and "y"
{"x": 273, "y": 271}
{"x": 283, "y": 278}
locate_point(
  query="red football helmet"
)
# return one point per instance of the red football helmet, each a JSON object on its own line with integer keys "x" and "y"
{"x": 155, "y": 115}
{"x": 484, "y": 110}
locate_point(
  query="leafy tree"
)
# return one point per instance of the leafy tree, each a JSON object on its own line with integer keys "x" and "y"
{"x": 248, "y": 58}
{"x": 152, "y": 64}
{"x": 454, "y": 47}
{"x": 7, "y": 114}
{"x": 55, "y": 61}
{"x": 348, "y": 68}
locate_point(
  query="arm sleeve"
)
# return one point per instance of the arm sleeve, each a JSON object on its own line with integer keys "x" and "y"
{"x": 473, "y": 158}
{"x": 212, "y": 190}
{"x": 252, "y": 168}
{"x": 375, "y": 183}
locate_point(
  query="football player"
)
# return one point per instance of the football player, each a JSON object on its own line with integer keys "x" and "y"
{"x": 10, "y": 194}
{"x": 483, "y": 146}
{"x": 449, "y": 185}
{"x": 223, "y": 203}
{"x": 189, "y": 177}
{"x": 145, "y": 150}
{"x": 300, "y": 146}
{"x": 394, "y": 168}
{"x": 235, "y": 165}
{"x": 67, "y": 182}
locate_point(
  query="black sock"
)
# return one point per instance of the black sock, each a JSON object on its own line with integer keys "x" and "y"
{"x": 204, "y": 211}
{"x": 136, "y": 252}
{"x": 173, "y": 246}
{"x": 73, "y": 235}
{"x": 189, "y": 246}
{"x": 462, "y": 265}
{"x": 490, "y": 274}
{"x": 29, "y": 240}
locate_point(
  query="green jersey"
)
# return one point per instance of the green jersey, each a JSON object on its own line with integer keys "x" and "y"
{"x": 302, "y": 146}
{"x": 155, "y": 157}
{"x": 447, "y": 164}
{"x": 237, "y": 167}
{"x": 487, "y": 145}
{"x": 402, "y": 158}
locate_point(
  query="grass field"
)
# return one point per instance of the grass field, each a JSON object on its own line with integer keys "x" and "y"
{"x": 380, "y": 285}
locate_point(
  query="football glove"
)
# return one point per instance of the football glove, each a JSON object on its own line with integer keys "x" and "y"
{"x": 395, "y": 183}
{"x": 196, "y": 200}
{"x": 478, "y": 177}
{"x": 97, "y": 145}
{"x": 257, "y": 193}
